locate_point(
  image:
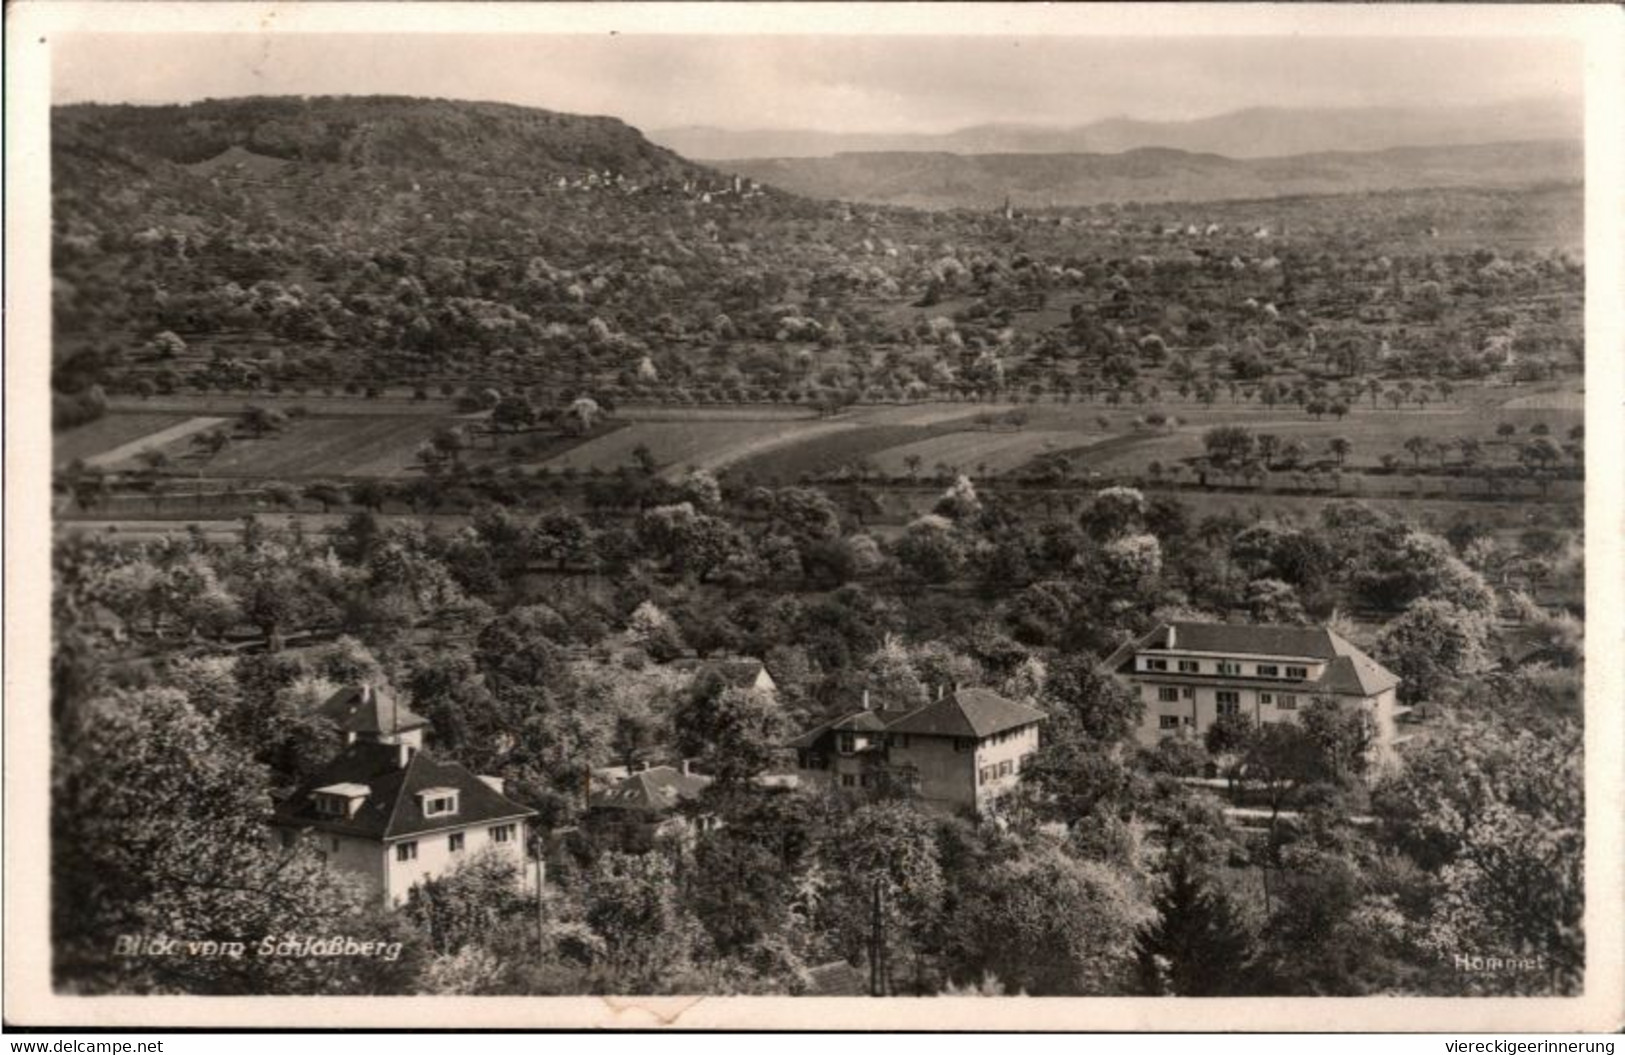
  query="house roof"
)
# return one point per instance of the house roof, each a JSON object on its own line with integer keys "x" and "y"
{"x": 1349, "y": 671}
{"x": 365, "y": 709}
{"x": 975, "y": 713}
{"x": 653, "y": 790}
{"x": 349, "y": 790}
{"x": 392, "y": 808}
{"x": 972, "y": 712}
{"x": 739, "y": 672}
{"x": 864, "y": 721}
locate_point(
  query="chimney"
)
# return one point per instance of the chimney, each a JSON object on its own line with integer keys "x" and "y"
{"x": 866, "y": 699}
{"x": 1171, "y": 634}
{"x": 688, "y": 767}
{"x": 403, "y": 754}
{"x": 496, "y": 784}
{"x": 941, "y": 685}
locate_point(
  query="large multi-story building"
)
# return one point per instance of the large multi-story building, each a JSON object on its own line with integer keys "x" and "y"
{"x": 385, "y": 811}
{"x": 1188, "y": 674}
{"x": 962, "y": 750}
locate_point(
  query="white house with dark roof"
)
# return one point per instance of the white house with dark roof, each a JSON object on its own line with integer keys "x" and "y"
{"x": 1188, "y": 674}
{"x": 384, "y": 810}
{"x": 962, "y": 750}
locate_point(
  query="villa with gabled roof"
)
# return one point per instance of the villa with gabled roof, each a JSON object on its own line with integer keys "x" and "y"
{"x": 962, "y": 750}
{"x": 388, "y": 812}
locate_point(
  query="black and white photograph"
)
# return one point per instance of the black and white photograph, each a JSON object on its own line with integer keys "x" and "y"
{"x": 839, "y": 509}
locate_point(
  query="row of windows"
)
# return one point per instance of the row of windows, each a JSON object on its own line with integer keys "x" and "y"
{"x": 847, "y": 743}
{"x": 1232, "y": 668}
{"x": 993, "y": 772}
{"x": 408, "y": 851}
{"x": 1229, "y": 699}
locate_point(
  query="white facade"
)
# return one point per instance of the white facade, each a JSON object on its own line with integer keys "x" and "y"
{"x": 1185, "y": 692}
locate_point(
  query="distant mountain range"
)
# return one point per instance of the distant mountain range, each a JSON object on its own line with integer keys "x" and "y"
{"x": 267, "y": 136}
{"x": 1256, "y": 133}
{"x": 939, "y": 180}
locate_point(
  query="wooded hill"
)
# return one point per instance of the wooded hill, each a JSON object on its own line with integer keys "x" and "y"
{"x": 369, "y": 130}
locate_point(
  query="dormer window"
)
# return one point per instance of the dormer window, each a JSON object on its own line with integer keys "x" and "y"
{"x": 1300, "y": 673}
{"x": 339, "y": 801}
{"x": 438, "y": 802}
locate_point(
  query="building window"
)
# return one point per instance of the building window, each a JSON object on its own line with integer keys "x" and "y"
{"x": 406, "y": 851}
{"x": 1289, "y": 702}
{"x": 440, "y": 806}
{"x": 1187, "y": 694}
{"x": 1228, "y": 667}
{"x": 1156, "y": 664}
{"x": 1168, "y": 721}
{"x": 454, "y": 842}
{"x": 1268, "y": 670}
{"x": 1228, "y": 702}
{"x": 1300, "y": 673}
{"x": 1265, "y": 699}
{"x": 848, "y": 780}
{"x": 846, "y": 743}
{"x": 963, "y": 744}
{"x": 1004, "y": 769}
{"x": 331, "y": 806}
{"x": 1168, "y": 695}
{"x": 1189, "y": 666}
{"x": 502, "y": 833}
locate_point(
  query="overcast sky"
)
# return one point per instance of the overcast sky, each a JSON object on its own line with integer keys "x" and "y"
{"x": 876, "y": 83}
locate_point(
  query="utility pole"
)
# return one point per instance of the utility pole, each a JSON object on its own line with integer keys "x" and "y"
{"x": 541, "y": 911}
{"x": 874, "y": 938}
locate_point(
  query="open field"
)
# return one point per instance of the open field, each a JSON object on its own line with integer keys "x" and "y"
{"x": 106, "y": 434}
{"x": 781, "y": 445}
{"x": 359, "y": 446}
{"x": 680, "y": 445}
{"x": 982, "y": 452}
{"x": 754, "y": 412}
{"x": 1569, "y": 401}
{"x": 921, "y": 414}
{"x": 162, "y": 440}
{"x": 391, "y": 404}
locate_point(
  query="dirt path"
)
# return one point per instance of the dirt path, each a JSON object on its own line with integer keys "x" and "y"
{"x": 152, "y": 441}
